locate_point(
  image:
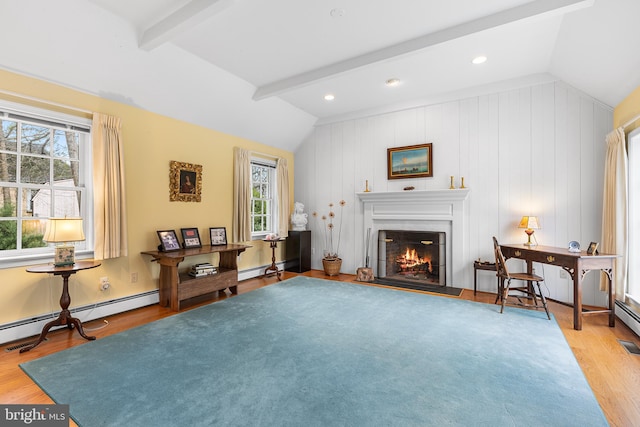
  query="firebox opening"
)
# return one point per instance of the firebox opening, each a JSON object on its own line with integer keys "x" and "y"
{"x": 412, "y": 258}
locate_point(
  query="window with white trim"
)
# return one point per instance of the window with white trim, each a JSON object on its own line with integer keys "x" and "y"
{"x": 45, "y": 171}
{"x": 633, "y": 152}
{"x": 263, "y": 198}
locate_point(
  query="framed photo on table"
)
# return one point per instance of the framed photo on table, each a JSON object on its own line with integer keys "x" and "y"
{"x": 218, "y": 236}
{"x": 593, "y": 248}
{"x": 413, "y": 161}
{"x": 168, "y": 241}
{"x": 190, "y": 238}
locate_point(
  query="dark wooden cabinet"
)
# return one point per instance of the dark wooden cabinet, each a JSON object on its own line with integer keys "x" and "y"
{"x": 298, "y": 251}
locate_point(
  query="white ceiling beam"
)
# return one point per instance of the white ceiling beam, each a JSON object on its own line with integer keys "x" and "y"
{"x": 190, "y": 15}
{"x": 529, "y": 10}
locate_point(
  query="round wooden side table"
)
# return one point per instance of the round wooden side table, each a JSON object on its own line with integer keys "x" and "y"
{"x": 64, "y": 318}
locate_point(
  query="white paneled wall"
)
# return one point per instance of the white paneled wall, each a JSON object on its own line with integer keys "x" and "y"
{"x": 538, "y": 150}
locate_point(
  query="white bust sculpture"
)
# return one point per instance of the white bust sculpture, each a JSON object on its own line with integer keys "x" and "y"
{"x": 298, "y": 217}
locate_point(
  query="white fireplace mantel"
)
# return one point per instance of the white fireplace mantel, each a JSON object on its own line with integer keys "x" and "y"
{"x": 459, "y": 194}
{"x": 421, "y": 210}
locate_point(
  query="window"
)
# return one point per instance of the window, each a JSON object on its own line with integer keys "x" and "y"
{"x": 634, "y": 215}
{"x": 263, "y": 201}
{"x": 45, "y": 171}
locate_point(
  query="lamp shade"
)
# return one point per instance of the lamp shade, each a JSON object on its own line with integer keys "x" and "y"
{"x": 529, "y": 222}
{"x": 64, "y": 230}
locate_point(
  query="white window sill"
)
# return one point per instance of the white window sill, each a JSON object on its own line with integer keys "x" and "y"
{"x": 43, "y": 258}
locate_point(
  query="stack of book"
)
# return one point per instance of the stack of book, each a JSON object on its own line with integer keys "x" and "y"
{"x": 202, "y": 269}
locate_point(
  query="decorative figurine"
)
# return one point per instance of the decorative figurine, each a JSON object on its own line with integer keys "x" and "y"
{"x": 298, "y": 217}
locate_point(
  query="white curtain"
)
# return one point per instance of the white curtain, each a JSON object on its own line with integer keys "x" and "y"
{"x": 241, "y": 195}
{"x": 110, "y": 209}
{"x": 614, "y": 210}
{"x": 283, "y": 197}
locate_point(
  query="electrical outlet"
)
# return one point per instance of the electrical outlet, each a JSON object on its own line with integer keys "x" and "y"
{"x": 104, "y": 283}
{"x": 134, "y": 277}
{"x": 564, "y": 274}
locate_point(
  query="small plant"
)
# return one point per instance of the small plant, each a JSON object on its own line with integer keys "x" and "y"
{"x": 329, "y": 227}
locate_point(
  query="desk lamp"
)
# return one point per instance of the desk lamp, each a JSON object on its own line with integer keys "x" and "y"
{"x": 529, "y": 223}
{"x": 64, "y": 231}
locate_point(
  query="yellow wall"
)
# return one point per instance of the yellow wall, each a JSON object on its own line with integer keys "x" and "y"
{"x": 151, "y": 141}
{"x": 627, "y": 110}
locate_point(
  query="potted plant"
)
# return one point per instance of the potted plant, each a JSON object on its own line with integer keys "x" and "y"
{"x": 331, "y": 261}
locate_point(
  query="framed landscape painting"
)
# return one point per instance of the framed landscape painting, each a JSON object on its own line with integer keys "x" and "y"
{"x": 413, "y": 161}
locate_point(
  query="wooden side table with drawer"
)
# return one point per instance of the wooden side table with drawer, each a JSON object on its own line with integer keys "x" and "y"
{"x": 483, "y": 265}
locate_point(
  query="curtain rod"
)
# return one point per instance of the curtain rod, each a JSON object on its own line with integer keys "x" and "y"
{"x": 268, "y": 156}
{"x": 630, "y": 122}
{"x": 45, "y": 102}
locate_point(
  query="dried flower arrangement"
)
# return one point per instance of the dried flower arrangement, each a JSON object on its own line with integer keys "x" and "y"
{"x": 329, "y": 228}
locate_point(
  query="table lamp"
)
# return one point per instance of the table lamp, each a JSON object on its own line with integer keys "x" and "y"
{"x": 64, "y": 231}
{"x": 529, "y": 223}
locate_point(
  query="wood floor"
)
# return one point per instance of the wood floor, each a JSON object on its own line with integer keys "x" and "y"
{"x": 613, "y": 373}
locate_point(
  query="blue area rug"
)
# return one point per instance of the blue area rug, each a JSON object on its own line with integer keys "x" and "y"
{"x": 310, "y": 352}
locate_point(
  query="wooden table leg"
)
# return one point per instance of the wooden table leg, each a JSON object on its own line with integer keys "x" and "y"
{"x": 273, "y": 268}
{"x": 612, "y": 297}
{"x": 577, "y": 300}
{"x": 64, "y": 318}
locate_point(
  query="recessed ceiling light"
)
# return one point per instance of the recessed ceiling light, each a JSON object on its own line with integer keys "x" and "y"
{"x": 479, "y": 59}
{"x": 329, "y": 97}
{"x": 392, "y": 82}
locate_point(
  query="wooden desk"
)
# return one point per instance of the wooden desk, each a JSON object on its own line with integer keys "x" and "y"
{"x": 577, "y": 264}
{"x": 64, "y": 318}
{"x": 175, "y": 287}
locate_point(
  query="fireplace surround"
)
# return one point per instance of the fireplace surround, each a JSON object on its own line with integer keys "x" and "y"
{"x": 440, "y": 211}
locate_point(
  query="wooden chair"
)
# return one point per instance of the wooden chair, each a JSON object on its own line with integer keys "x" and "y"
{"x": 525, "y": 292}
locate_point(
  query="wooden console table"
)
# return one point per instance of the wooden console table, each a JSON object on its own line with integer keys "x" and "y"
{"x": 577, "y": 264}
{"x": 64, "y": 318}
{"x": 175, "y": 287}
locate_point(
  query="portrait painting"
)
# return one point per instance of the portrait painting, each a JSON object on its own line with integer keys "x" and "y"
{"x": 185, "y": 182}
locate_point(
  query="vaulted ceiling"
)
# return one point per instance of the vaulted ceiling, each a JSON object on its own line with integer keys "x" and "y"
{"x": 261, "y": 69}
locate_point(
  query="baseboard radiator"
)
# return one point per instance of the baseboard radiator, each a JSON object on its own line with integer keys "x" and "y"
{"x": 627, "y": 315}
{"x": 33, "y": 326}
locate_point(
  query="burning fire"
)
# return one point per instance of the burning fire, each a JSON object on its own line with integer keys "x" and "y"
{"x": 411, "y": 261}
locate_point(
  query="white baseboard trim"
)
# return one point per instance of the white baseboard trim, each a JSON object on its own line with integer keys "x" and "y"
{"x": 628, "y": 316}
{"x": 33, "y": 326}
{"x": 257, "y": 271}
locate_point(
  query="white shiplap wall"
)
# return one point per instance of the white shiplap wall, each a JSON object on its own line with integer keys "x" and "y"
{"x": 536, "y": 150}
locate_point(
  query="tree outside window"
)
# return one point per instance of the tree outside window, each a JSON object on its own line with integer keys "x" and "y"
{"x": 39, "y": 178}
